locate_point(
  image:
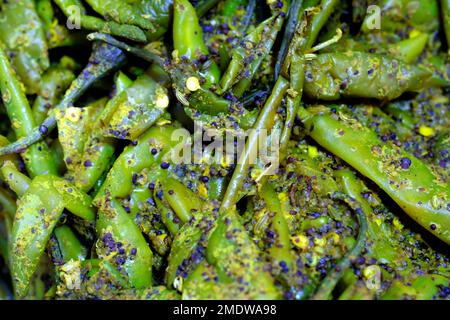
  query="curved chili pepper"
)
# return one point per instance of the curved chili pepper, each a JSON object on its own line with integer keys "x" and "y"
{"x": 423, "y": 288}
{"x": 17, "y": 181}
{"x": 135, "y": 109}
{"x": 406, "y": 179}
{"x": 247, "y": 59}
{"x": 265, "y": 122}
{"x": 87, "y": 153}
{"x": 134, "y": 159}
{"x": 121, "y": 12}
{"x": 26, "y": 41}
{"x": 293, "y": 66}
{"x": 381, "y": 248}
{"x": 133, "y": 255}
{"x": 97, "y": 24}
{"x": 331, "y": 76}
{"x": 329, "y": 283}
{"x": 319, "y": 20}
{"x": 69, "y": 245}
{"x": 55, "y": 81}
{"x": 188, "y": 38}
{"x": 39, "y": 210}
{"x": 37, "y": 158}
{"x": 232, "y": 251}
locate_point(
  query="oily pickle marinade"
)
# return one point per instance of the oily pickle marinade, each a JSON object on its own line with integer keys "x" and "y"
{"x": 114, "y": 121}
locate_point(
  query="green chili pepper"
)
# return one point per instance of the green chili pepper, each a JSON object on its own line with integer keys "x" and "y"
{"x": 398, "y": 15}
{"x": 87, "y": 153}
{"x": 188, "y": 38}
{"x": 169, "y": 218}
{"x": 151, "y": 220}
{"x": 39, "y": 210}
{"x": 282, "y": 257}
{"x": 135, "y": 109}
{"x": 294, "y": 65}
{"x": 406, "y": 179}
{"x": 182, "y": 200}
{"x": 69, "y": 245}
{"x": 122, "y": 82}
{"x": 57, "y": 35}
{"x": 265, "y": 121}
{"x": 45, "y": 10}
{"x": 423, "y": 288}
{"x": 424, "y": 15}
{"x": 115, "y": 226}
{"x": 37, "y": 158}
{"x": 257, "y": 46}
{"x": 134, "y": 159}
{"x": 409, "y": 50}
{"x": 121, "y": 12}
{"x": 206, "y": 282}
{"x": 159, "y": 13}
{"x": 231, "y": 250}
{"x": 331, "y": 76}
{"x": 16, "y": 180}
{"x": 329, "y": 283}
{"x": 55, "y": 82}
{"x": 73, "y": 9}
{"x": 201, "y": 99}
{"x": 319, "y": 20}
{"x": 382, "y": 248}
{"x": 26, "y": 41}
{"x": 187, "y": 246}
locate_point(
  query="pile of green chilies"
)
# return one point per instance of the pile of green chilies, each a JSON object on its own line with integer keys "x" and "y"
{"x": 99, "y": 95}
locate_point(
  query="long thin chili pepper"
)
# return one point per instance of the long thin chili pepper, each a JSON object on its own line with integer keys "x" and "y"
{"x": 74, "y": 8}
{"x": 265, "y": 122}
{"x": 37, "y": 158}
{"x": 188, "y": 38}
{"x": 39, "y": 210}
{"x": 406, "y": 179}
{"x": 329, "y": 283}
